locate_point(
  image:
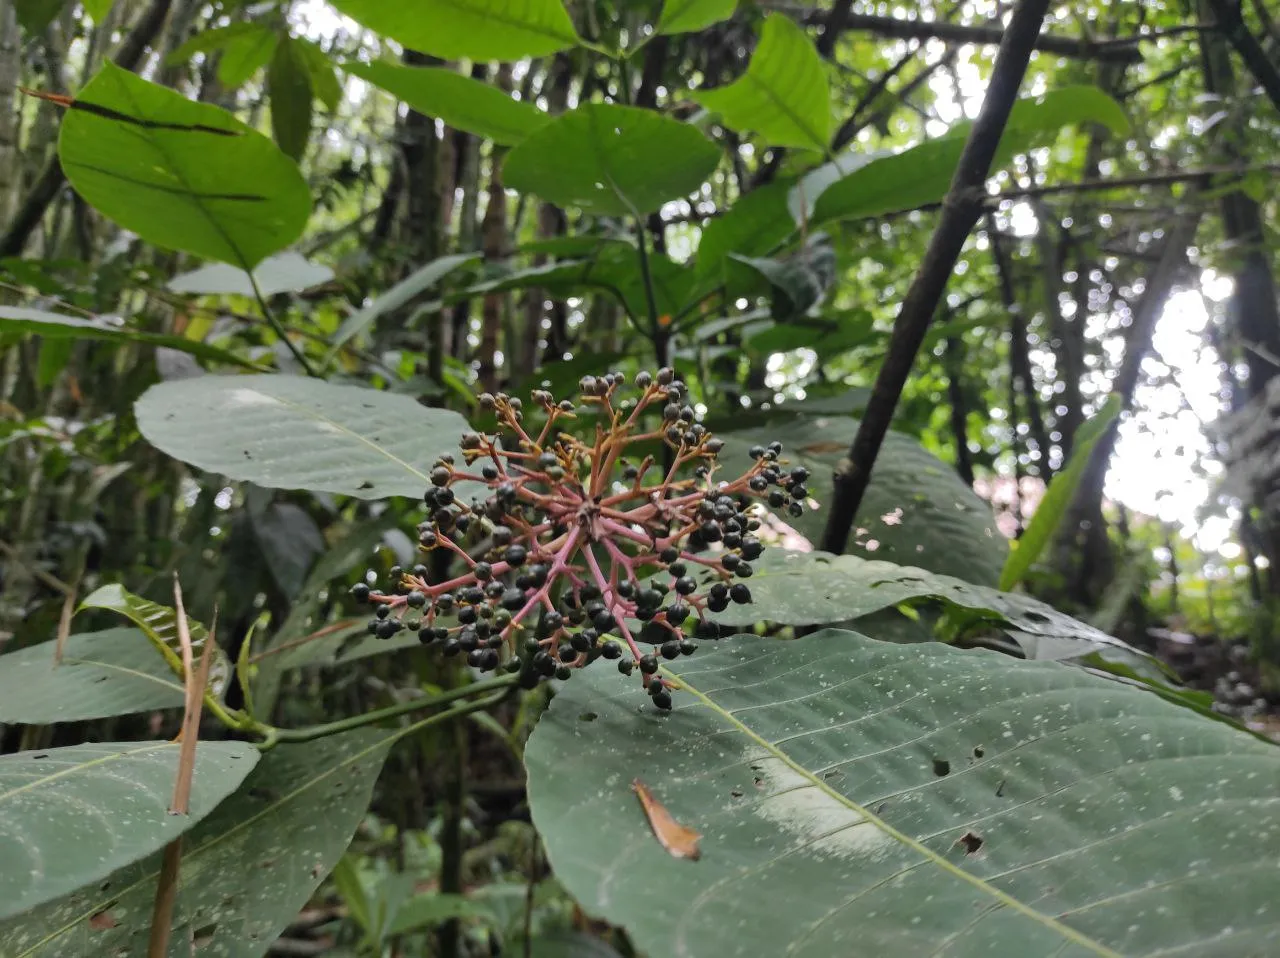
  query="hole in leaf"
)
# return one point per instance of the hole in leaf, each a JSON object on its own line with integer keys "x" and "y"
{"x": 1000, "y": 788}
{"x": 758, "y": 782}
{"x": 979, "y": 751}
{"x": 832, "y": 776}
{"x": 41, "y": 755}
{"x": 203, "y": 934}
{"x": 736, "y": 793}
{"x": 366, "y": 484}
{"x": 941, "y": 767}
{"x": 588, "y": 717}
{"x": 971, "y": 842}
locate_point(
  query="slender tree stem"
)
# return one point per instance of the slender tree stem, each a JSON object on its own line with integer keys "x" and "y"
{"x": 502, "y": 683}
{"x": 275, "y": 323}
{"x": 960, "y": 211}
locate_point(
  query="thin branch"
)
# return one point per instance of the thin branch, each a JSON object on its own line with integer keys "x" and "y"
{"x": 960, "y": 212}
{"x": 1123, "y": 50}
{"x": 280, "y": 331}
{"x": 1246, "y": 44}
{"x": 51, "y": 581}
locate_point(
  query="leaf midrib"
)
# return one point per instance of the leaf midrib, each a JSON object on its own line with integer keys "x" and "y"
{"x": 44, "y": 780}
{"x": 928, "y": 856}
{"x": 818, "y": 141}
{"x": 346, "y": 430}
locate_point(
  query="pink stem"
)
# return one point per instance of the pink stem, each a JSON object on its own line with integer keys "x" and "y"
{"x": 557, "y": 566}
{"x": 611, "y": 598}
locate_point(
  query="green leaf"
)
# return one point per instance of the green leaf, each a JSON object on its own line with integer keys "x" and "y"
{"x": 921, "y": 175}
{"x": 71, "y": 816}
{"x": 917, "y": 511}
{"x": 183, "y": 175}
{"x": 798, "y": 283}
{"x": 408, "y": 289}
{"x": 246, "y": 52}
{"x": 460, "y": 101}
{"x": 114, "y": 672}
{"x": 289, "y": 86}
{"x": 612, "y": 160}
{"x": 325, "y": 85}
{"x": 52, "y": 360}
{"x": 427, "y": 911}
{"x": 283, "y": 650}
{"x": 818, "y": 588}
{"x": 570, "y": 944}
{"x": 908, "y": 800}
{"x": 755, "y": 225}
{"x": 98, "y": 9}
{"x": 159, "y": 624}
{"x": 289, "y": 538}
{"x": 35, "y": 15}
{"x": 1057, "y": 498}
{"x": 246, "y": 870}
{"x": 784, "y": 97}
{"x": 286, "y": 432}
{"x": 690, "y": 16}
{"x": 286, "y": 272}
{"x": 54, "y": 326}
{"x": 469, "y": 29}
{"x": 207, "y": 41}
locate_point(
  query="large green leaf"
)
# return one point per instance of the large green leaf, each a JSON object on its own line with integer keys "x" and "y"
{"x": 917, "y": 511}
{"x": 612, "y": 160}
{"x": 56, "y": 326}
{"x": 246, "y": 870}
{"x": 159, "y": 624}
{"x": 463, "y": 103}
{"x": 1053, "y": 506}
{"x": 286, "y": 272}
{"x": 405, "y": 291}
{"x": 183, "y": 175}
{"x": 921, "y": 175}
{"x": 71, "y": 816}
{"x": 285, "y": 432}
{"x": 469, "y": 29}
{"x": 818, "y": 588}
{"x": 784, "y": 97}
{"x": 114, "y": 672}
{"x": 913, "y": 800}
{"x": 690, "y": 16}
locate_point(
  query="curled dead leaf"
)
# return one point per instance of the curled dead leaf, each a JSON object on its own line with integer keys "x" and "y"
{"x": 680, "y": 841}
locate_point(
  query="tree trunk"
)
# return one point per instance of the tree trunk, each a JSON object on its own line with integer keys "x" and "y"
{"x": 493, "y": 231}
{"x": 10, "y": 126}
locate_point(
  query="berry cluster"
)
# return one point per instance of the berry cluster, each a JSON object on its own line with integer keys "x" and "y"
{"x": 579, "y": 548}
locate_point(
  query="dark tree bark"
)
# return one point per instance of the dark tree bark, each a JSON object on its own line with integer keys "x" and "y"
{"x": 954, "y": 360}
{"x": 960, "y": 212}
